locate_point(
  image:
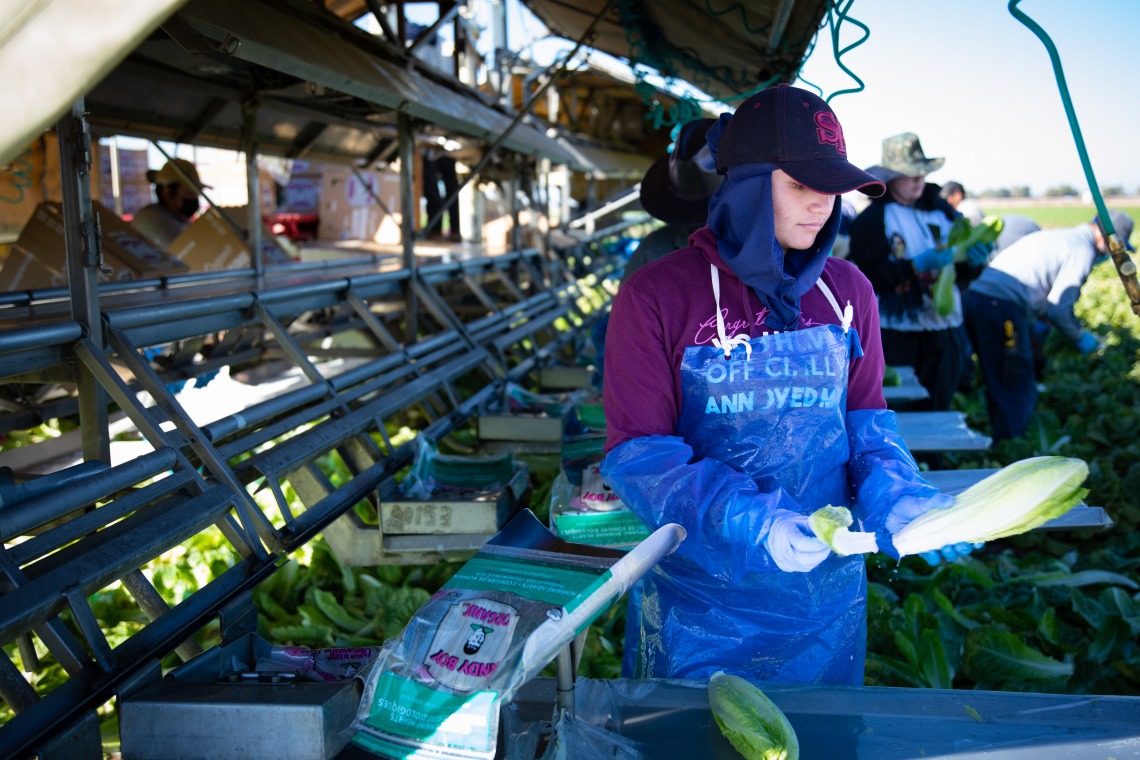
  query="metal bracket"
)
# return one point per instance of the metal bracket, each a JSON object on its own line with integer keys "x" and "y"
{"x": 193, "y": 41}
{"x": 238, "y": 618}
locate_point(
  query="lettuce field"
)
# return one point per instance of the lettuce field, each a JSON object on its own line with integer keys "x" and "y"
{"x": 1055, "y": 612}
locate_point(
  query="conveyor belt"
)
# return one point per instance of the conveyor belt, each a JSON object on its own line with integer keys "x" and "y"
{"x": 480, "y": 323}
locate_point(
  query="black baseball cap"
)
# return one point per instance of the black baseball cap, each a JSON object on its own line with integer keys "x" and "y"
{"x": 798, "y": 132}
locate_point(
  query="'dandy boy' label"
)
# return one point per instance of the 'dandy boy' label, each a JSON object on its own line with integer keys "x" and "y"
{"x": 471, "y": 642}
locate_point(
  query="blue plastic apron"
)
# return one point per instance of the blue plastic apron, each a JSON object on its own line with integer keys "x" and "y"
{"x": 775, "y": 411}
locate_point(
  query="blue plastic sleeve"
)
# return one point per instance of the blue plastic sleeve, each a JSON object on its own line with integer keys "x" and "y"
{"x": 726, "y": 516}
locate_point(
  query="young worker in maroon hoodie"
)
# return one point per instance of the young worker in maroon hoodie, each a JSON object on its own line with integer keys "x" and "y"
{"x": 743, "y": 391}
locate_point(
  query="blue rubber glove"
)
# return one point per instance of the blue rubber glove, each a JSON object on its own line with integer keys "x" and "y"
{"x": 793, "y": 546}
{"x": 950, "y": 553}
{"x": 932, "y": 259}
{"x": 905, "y": 510}
{"x": 979, "y": 254}
{"x": 1087, "y": 343}
{"x": 908, "y": 508}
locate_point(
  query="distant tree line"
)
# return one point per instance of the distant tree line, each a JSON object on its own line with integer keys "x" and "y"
{"x": 1060, "y": 191}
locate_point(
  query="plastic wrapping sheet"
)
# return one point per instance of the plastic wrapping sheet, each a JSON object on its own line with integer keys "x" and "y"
{"x": 433, "y": 473}
{"x": 600, "y": 523}
{"x": 519, "y": 399}
{"x": 436, "y": 689}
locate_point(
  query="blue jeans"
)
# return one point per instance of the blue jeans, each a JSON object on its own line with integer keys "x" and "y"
{"x": 999, "y": 331}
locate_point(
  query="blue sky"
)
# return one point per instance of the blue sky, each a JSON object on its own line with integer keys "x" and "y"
{"x": 978, "y": 87}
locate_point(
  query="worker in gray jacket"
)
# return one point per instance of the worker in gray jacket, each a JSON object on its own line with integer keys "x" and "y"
{"x": 1028, "y": 287}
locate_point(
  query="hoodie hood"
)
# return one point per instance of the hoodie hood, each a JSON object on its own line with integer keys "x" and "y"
{"x": 740, "y": 215}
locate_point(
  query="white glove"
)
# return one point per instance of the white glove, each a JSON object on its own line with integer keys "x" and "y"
{"x": 793, "y": 545}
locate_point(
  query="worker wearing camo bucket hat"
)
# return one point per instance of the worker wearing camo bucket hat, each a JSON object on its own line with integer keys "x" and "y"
{"x": 743, "y": 391}
{"x": 899, "y": 243}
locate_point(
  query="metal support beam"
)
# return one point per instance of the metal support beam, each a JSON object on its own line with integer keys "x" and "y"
{"x": 371, "y": 193}
{"x": 382, "y": 19}
{"x": 153, "y": 605}
{"x": 427, "y": 34}
{"x": 780, "y": 24}
{"x": 116, "y": 185}
{"x": 409, "y": 203}
{"x": 202, "y": 119}
{"x": 253, "y": 182}
{"x": 556, "y": 69}
{"x": 84, "y": 264}
{"x": 305, "y": 139}
{"x": 516, "y": 186}
{"x": 383, "y": 152}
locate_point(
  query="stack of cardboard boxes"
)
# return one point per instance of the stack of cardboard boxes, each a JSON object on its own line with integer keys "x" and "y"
{"x": 344, "y": 200}
{"x": 29, "y": 180}
{"x": 349, "y": 211}
{"x": 212, "y": 244}
{"x": 38, "y": 258}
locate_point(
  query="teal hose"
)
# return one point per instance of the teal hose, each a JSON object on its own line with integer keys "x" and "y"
{"x": 1125, "y": 267}
{"x": 1034, "y": 27}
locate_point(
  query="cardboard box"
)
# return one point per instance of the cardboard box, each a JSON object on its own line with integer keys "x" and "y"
{"x": 348, "y": 211}
{"x": 303, "y": 194}
{"x": 210, "y": 244}
{"x": 22, "y": 271}
{"x": 126, "y": 253}
{"x": 272, "y": 250}
{"x": 32, "y": 178}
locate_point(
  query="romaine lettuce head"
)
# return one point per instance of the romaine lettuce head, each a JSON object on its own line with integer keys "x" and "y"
{"x": 750, "y": 721}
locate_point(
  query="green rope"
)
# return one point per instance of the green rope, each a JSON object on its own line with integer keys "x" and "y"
{"x": 837, "y": 14}
{"x": 647, "y": 48}
{"x": 743, "y": 16}
{"x": 834, "y": 22}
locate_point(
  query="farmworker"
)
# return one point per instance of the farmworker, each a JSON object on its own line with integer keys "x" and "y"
{"x": 440, "y": 182}
{"x": 676, "y": 189}
{"x": 954, "y": 194}
{"x": 176, "y": 188}
{"x": 842, "y": 245}
{"x": 1037, "y": 278}
{"x": 743, "y": 391}
{"x": 1013, "y": 228}
{"x": 899, "y": 243}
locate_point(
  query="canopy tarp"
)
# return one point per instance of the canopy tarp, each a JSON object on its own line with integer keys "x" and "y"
{"x": 53, "y": 51}
{"x": 330, "y": 93}
{"x": 724, "y": 49}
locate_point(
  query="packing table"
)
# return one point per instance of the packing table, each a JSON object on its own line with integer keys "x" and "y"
{"x": 666, "y": 719}
{"x": 940, "y": 431}
{"x": 909, "y": 389}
